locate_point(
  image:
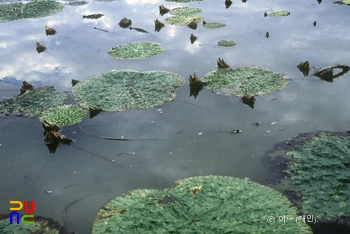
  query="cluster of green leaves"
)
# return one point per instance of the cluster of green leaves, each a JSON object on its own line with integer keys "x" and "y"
{"x": 136, "y": 50}
{"x": 32, "y": 9}
{"x": 245, "y": 80}
{"x": 124, "y": 89}
{"x": 33, "y": 102}
{"x": 205, "y": 204}
{"x": 41, "y": 226}
{"x": 319, "y": 171}
{"x": 226, "y": 43}
{"x": 64, "y": 115}
{"x": 214, "y": 25}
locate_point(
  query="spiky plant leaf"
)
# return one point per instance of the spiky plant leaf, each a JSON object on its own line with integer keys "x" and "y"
{"x": 181, "y": 20}
{"x": 136, "y": 50}
{"x": 64, "y": 115}
{"x": 246, "y": 80}
{"x": 124, "y": 89}
{"x": 185, "y": 11}
{"x": 226, "y": 43}
{"x": 33, "y": 102}
{"x": 204, "y": 204}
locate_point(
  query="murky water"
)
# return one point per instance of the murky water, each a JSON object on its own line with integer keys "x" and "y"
{"x": 192, "y": 132}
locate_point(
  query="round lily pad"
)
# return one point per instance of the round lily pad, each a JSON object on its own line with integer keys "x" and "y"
{"x": 213, "y": 25}
{"x": 33, "y": 102}
{"x": 124, "y": 89}
{"x": 280, "y": 13}
{"x": 136, "y": 50}
{"x": 181, "y": 20}
{"x": 204, "y": 204}
{"x": 32, "y": 9}
{"x": 226, "y": 43}
{"x": 244, "y": 81}
{"x": 185, "y": 11}
{"x": 64, "y": 115}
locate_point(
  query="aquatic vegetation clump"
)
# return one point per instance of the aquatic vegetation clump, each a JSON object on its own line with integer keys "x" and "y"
{"x": 280, "y": 13}
{"x": 185, "y": 11}
{"x": 33, "y": 102}
{"x": 181, "y": 20}
{"x": 32, "y": 9}
{"x": 226, "y": 43}
{"x": 203, "y": 204}
{"x": 64, "y": 115}
{"x": 124, "y": 89}
{"x": 136, "y": 50}
{"x": 244, "y": 81}
{"x": 319, "y": 172}
{"x": 213, "y": 25}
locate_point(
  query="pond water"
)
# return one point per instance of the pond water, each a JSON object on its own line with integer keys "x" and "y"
{"x": 193, "y": 133}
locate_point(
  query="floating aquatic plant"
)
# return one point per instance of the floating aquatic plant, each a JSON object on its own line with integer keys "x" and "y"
{"x": 185, "y": 11}
{"x": 32, "y": 9}
{"x": 213, "y": 25}
{"x": 63, "y": 115}
{"x": 342, "y": 2}
{"x": 184, "y": 1}
{"x": 204, "y": 204}
{"x": 245, "y": 80}
{"x": 124, "y": 89}
{"x": 226, "y": 43}
{"x": 136, "y": 50}
{"x": 280, "y": 13}
{"x": 181, "y": 20}
{"x": 32, "y": 102}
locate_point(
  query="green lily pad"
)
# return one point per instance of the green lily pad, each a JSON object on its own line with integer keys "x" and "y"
{"x": 204, "y": 204}
{"x": 124, "y": 89}
{"x": 213, "y": 25}
{"x": 32, "y": 102}
{"x": 319, "y": 171}
{"x": 185, "y": 11}
{"x": 136, "y": 50}
{"x": 64, "y": 115}
{"x": 184, "y": 1}
{"x": 181, "y": 20}
{"x": 226, "y": 43}
{"x": 33, "y": 9}
{"x": 343, "y": 2}
{"x": 244, "y": 81}
{"x": 280, "y": 13}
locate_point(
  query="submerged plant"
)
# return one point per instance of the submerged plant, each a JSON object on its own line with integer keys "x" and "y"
{"x": 244, "y": 81}
{"x": 63, "y": 115}
{"x": 204, "y": 204}
{"x": 136, "y": 50}
{"x": 124, "y": 89}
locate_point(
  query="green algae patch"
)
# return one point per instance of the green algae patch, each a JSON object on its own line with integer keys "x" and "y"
{"x": 319, "y": 172}
{"x": 32, "y": 102}
{"x": 204, "y": 204}
{"x": 136, "y": 50}
{"x": 64, "y": 115}
{"x": 185, "y": 11}
{"x": 279, "y": 13}
{"x": 33, "y": 9}
{"x": 181, "y": 20}
{"x": 124, "y": 89}
{"x": 213, "y": 25}
{"x": 244, "y": 81}
{"x": 226, "y": 43}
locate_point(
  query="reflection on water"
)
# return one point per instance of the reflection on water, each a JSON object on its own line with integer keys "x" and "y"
{"x": 194, "y": 133}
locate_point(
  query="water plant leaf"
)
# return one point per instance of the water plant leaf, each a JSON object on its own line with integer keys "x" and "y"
{"x": 136, "y": 50}
{"x": 124, "y": 89}
{"x": 32, "y": 9}
{"x": 181, "y": 20}
{"x": 280, "y": 13}
{"x": 244, "y": 81}
{"x": 184, "y": 1}
{"x": 64, "y": 115}
{"x": 204, "y": 204}
{"x": 33, "y": 102}
{"x": 319, "y": 171}
{"x": 213, "y": 25}
{"x": 185, "y": 11}
{"x": 342, "y": 2}
{"x": 226, "y": 43}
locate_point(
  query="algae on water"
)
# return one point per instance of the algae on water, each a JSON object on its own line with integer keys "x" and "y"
{"x": 124, "y": 89}
{"x": 203, "y": 204}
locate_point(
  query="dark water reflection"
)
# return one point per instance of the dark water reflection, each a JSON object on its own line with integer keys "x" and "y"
{"x": 194, "y": 131}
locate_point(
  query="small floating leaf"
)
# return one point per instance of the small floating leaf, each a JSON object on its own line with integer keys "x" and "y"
{"x": 64, "y": 115}
{"x": 136, "y": 50}
{"x": 183, "y": 19}
{"x": 213, "y": 25}
{"x": 226, "y": 43}
{"x": 184, "y": 1}
{"x": 280, "y": 13}
{"x": 185, "y": 11}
